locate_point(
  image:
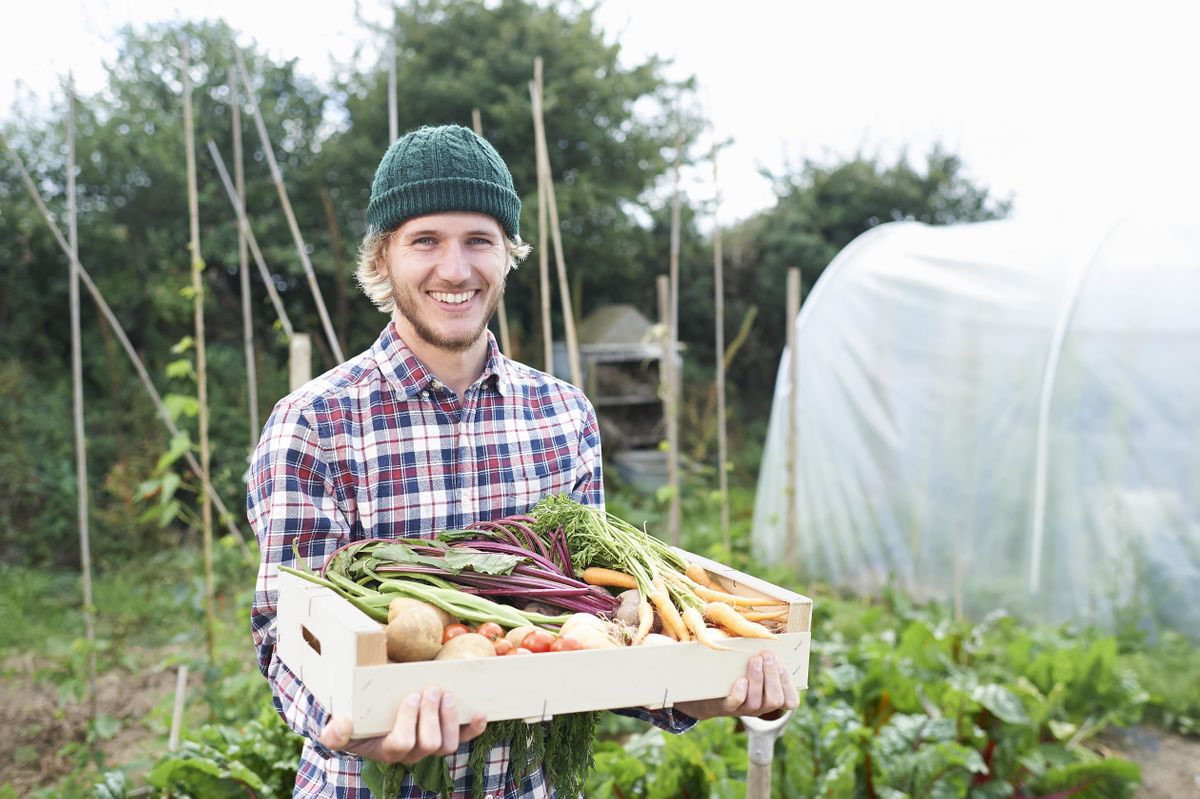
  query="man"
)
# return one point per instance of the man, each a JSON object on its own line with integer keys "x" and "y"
{"x": 430, "y": 429}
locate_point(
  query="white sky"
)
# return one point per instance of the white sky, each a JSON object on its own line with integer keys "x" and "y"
{"x": 1079, "y": 109}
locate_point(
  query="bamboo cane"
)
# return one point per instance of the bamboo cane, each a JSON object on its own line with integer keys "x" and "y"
{"x": 543, "y": 240}
{"x": 197, "y": 269}
{"x": 244, "y": 226}
{"x": 81, "y": 479}
{"x": 667, "y": 377}
{"x": 719, "y": 305}
{"x": 555, "y": 229}
{"x": 793, "y": 463}
{"x": 163, "y": 414}
{"x": 672, "y": 404}
{"x": 393, "y": 104}
{"x": 244, "y": 265}
{"x": 277, "y": 177}
{"x": 502, "y": 312}
{"x": 339, "y": 264}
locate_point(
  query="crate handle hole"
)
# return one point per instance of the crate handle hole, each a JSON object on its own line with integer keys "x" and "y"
{"x": 310, "y": 639}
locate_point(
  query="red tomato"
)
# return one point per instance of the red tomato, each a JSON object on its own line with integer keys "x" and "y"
{"x": 565, "y": 643}
{"x": 490, "y": 630}
{"x": 538, "y": 641}
{"x": 503, "y": 646}
{"x": 453, "y": 631}
{"x": 520, "y": 651}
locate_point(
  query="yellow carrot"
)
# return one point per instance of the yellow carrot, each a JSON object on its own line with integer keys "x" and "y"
{"x": 764, "y": 615}
{"x": 645, "y": 621}
{"x": 596, "y": 575}
{"x": 695, "y": 623}
{"x": 733, "y": 622}
{"x": 672, "y": 622}
{"x": 700, "y": 575}
{"x": 732, "y": 599}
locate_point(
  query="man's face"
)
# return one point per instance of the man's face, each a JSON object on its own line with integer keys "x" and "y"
{"x": 447, "y": 273}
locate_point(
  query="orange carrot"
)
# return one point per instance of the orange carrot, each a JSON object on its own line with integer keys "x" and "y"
{"x": 695, "y": 623}
{"x": 596, "y": 575}
{"x": 672, "y": 622}
{"x": 733, "y": 622}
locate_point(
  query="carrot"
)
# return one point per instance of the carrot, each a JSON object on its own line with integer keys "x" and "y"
{"x": 733, "y": 622}
{"x": 672, "y": 622}
{"x": 695, "y": 623}
{"x": 700, "y": 575}
{"x": 734, "y": 600}
{"x": 764, "y": 615}
{"x": 596, "y": 575}
{"x": 645, "y": 622}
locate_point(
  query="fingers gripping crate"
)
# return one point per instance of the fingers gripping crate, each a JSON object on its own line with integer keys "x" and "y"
{"x": 340, "y": 654}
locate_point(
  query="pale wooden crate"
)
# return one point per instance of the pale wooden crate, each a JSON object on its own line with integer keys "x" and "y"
{"x": 340, "y": 654}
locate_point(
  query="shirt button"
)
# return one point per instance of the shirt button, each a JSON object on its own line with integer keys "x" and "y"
{"x": 424, "y": 395}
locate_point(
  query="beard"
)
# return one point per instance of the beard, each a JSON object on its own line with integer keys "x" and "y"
{"x": 408, "y": 307}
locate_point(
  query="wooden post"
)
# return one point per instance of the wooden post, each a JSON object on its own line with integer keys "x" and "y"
{"x": 81, "y": 479}
{"x": 793, "y": 464}
{"x": 235, "y": 106}
{"x": 277, "y": 176}
{"x": 666, "y": 391}
{"x": 244, "y": 226}
{"x": 201, "y": 358}
{"x": 544, "y": 174}
{"x": 299, "y": 361}
{"x": 719, "y": 349}
{"x": 106, "y": 311}
{"x": 501, "y": 311}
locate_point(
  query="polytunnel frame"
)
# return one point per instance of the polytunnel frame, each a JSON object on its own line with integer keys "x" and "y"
{"x": 1049, "y": 376}
{"x": 833, "y": 274}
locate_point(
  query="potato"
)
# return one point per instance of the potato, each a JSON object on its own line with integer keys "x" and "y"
{"x": 517, "y": 634}
{"x": 414, "y": 633}
{"x": 464, "y": 647}
{"x": 401, "y": 602}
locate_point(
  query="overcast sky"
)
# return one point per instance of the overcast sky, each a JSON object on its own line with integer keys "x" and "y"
{"x": 1076, "y": 109}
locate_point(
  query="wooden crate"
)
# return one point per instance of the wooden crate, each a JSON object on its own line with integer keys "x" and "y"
{"x": 340, "y": 654}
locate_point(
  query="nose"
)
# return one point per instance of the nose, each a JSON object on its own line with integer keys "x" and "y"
{"x": 455, "y": 267}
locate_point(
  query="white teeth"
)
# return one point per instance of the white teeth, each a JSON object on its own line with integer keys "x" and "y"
{"x": 452, "y": 298}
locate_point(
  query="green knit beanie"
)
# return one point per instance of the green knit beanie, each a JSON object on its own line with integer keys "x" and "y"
{"x": 438, "y": 169}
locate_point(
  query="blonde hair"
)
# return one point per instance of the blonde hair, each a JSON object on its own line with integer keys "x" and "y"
{"x": 372, "y": 274}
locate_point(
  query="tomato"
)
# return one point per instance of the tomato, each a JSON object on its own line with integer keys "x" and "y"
{"x": 503, "y": 646}
{"x": 453, "y": 631}
{"x": 490, "y": 630}
{"x": 520, "y": 651}
{"x": 565, "y": 643}
{"x": 538, "y": 641}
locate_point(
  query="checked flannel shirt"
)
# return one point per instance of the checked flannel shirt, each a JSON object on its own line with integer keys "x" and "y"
{"x": 378, "y": 447}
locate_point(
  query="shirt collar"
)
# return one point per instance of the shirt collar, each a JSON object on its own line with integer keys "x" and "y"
{"x": 404, "y": 369}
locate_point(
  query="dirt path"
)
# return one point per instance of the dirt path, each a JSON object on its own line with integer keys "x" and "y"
{"x": 1170, "y": 763}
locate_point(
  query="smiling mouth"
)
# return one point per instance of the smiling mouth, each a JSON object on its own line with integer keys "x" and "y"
{"x": 453, "y": 299}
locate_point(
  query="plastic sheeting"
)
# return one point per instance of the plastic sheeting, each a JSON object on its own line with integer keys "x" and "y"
{"x": 1000, "y": 415}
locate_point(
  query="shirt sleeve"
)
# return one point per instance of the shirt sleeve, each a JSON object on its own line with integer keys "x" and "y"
{"x": 290, "y": 502}
{"x": 589, "y": 490}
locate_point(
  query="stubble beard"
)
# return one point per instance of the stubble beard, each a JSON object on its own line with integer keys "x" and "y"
{"x": 407, "y": 306}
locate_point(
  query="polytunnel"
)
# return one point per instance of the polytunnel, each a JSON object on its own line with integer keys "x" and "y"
{"x": 999, "y": 415}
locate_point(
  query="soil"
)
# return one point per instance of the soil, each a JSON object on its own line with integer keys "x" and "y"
{"x": 36, "y": 732}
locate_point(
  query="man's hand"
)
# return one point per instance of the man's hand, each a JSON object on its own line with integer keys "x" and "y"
{"x": 426, "y": 724}
{"x": 767, "y": 688}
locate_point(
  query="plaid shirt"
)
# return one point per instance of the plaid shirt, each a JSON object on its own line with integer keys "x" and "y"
{"x": 378, "y": 447}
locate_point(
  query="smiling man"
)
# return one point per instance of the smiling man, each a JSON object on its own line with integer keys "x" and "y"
{"x": 432, "y": 428}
